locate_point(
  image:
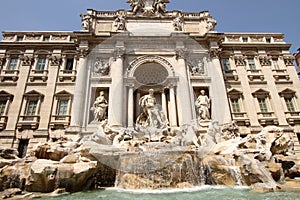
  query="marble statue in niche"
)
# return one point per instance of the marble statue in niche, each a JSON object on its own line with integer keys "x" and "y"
{"x": 203, "y": 104}
{"x": 99, "y": 107}
{"x": 152, "y": 116}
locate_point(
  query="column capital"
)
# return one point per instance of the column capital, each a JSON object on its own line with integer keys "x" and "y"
{"x": 214, "y": 52}
{"x": 83, "y": 48}
{"x": 181, "y": 53}
{"x": 162, "y": 90}
{"x": 119, "y": 52}
{"x": 130, "y": 85}
{"x": 83, "y": 52}
{"x": 2, "y": 60}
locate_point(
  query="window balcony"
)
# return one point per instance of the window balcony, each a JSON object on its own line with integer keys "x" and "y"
{"x": 9, "y": 75}
{"x": 28, "y": 122}
{"x": 241, "y": 118}
{"x": 279, "y": 71}
{"x": 38, "y": 75}
{"x": 293, "y": 117}
{"x": 231, "y": 75}
{"x": 255, "y": 75}
{"x": 3, "y": 121}
{"x": 267, "y": 118}
{"x": 67, "y": 76}
{"x": 60, "y": 121}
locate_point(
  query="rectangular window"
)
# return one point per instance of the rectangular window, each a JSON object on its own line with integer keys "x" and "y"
{"x": 289, "y": 104}
{"x": 46, "y": 38}
{"x": 245, "y": 39}
{"x": 31, "y": 107}
{"x": 69, "y": 64}
{"x": 63, "y": 107}
{"x": 41, "y": 64}
{"x": 235, "y": 105}
{"x": 275, "y": 63}
{"x": 226, "y": 64}
{"x": 20, "y": 38}
{"x": 13, "y": 62}
{"x": 251, "y": 64}
{"x": 262, "y": 105}
{"x": 2, "y": 107}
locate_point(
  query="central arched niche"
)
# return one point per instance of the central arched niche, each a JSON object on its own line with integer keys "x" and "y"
{"x": 151, "y": 73}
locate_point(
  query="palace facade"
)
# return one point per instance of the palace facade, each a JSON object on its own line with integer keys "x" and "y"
{"x": 297, "y": 59}
{"x": 49, "y": 81}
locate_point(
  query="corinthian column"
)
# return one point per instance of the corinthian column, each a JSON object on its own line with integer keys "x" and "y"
{"x": 79, "y": 92}
{"x": 172, "y": 111}
{"x": 116, "y": 93}
{"x": 183, "y": 90}
{"x": 220, "y": 110}
{"x": 130, "y": 106}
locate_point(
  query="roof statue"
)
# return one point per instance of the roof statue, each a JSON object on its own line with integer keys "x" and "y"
{"x": 148, "y": 7}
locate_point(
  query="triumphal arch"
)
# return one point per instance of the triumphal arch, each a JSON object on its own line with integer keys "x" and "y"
{"x": 129, "y": 52}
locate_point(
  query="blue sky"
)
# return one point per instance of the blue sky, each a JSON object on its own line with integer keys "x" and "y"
{"x": 276, "y": 16}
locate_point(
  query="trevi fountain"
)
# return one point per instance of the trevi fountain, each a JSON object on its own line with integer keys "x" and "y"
{"x": 151, "y": 161}
{"x": 151, "y": 158}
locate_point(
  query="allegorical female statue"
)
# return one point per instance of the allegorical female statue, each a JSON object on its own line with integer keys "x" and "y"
{"x": 203, "y": 105}
{"x": 99, "y": 107}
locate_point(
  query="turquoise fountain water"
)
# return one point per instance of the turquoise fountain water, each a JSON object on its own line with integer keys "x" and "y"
{"x": 197, "y": 193}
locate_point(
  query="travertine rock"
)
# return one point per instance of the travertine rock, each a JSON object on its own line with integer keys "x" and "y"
{"x": 47, "y": 175}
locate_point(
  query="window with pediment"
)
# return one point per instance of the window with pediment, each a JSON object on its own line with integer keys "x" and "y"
{"x": 236, "y": 103}
{"x": 13, "y": 63}
{"x": 226, "y": 64}
{"x": 289, "y": 98}
{"x": 61, "y": 113}
{"x": 30, "y": 114}
{"x": 41, "y": 63}
{"x": 5, "y": 101}
{"x": 251, "y": 63}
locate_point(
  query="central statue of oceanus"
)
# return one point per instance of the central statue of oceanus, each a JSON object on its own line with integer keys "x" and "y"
{"x": 152, "y": 115}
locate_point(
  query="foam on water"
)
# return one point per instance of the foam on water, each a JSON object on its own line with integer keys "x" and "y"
{"x": 183, "y": 190}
